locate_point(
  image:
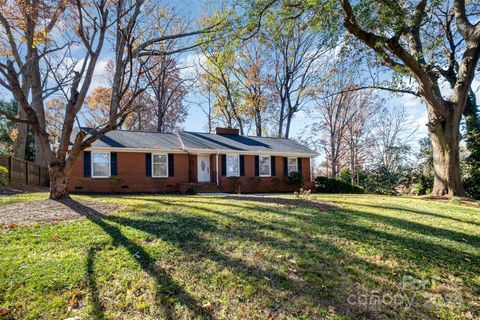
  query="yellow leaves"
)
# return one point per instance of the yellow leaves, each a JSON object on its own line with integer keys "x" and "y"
{"x": 99, "y": 99}
{"x": 14, "y": 134}
{"x": 40, "y": 37}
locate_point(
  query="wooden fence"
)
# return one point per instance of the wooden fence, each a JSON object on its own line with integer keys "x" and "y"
{"x": 24, "y": 172}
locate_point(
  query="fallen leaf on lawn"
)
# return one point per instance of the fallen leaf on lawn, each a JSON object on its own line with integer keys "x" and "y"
{"x": 73, "y": 302}
{"x": 55, "y": 222}
{"x": 12, "y": 226}
{"x": 293, "y": 270}
{"x": 207, "y": 305}
{"x": 166, "y": 267}
{"x": 54, "y": 238}
{"x": 5, "y": 312}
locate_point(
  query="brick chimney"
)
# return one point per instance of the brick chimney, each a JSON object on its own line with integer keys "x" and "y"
{"x": 231, "y": 131}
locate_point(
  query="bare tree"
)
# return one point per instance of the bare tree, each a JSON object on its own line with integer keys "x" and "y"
{"x": 393, "y": 133}
{"x": 358, "y": 135}
{"x": 87, "y": 27}
{"x": 296, "y": 52}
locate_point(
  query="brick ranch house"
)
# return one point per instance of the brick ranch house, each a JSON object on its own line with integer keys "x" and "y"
{"x": 134, "y": 161}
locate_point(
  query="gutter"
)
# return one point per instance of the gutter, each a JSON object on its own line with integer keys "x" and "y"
{"x": 218, "y": 181}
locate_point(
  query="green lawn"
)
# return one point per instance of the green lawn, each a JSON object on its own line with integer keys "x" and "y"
{"x": 207, "y": 257}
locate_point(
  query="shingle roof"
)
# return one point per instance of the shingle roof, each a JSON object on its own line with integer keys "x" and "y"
{"x": 196, "y": 141}
{"x": 237, "y": 143}
{"x": 138, "y": 139}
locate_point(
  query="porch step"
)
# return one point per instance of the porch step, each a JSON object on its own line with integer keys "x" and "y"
{"x": 206, "y": 187}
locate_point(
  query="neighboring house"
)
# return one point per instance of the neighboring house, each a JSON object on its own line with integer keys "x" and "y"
{"x": 134, "y": 161}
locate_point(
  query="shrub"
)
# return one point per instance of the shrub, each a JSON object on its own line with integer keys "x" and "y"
{"x": 326, "y": 185}
{"x": 254, "y": 182}
{"x": 472, "y": 185}
{"x": 3, "y": 176}
{"x": 382, "y": 181}
{"x": 114, "y": 182}
{"x": 295, "y": 179}
{"x": 345, "y": 176}
{"x": 275, "y": 184}
{"x": 236, "y": 184}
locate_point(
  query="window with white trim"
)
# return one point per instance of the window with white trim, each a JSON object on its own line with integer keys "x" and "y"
{"x": 264, "y": 166}
{"x": 159, "y": 165}
{"x": 233, "y": 165}
{"x": 100, "y": 164}
{"x": 292, "y": 165}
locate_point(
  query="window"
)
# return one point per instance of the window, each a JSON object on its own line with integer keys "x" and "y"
{"x": 233, "y": 165}
{"x": 100, "y": 164}
{"x": 292, "y": 165}
{"x": 264, "y": 166}
{"x": 159, "y": 165}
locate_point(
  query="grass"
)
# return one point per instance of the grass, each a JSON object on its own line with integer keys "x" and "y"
{"x": 206, "y": 257}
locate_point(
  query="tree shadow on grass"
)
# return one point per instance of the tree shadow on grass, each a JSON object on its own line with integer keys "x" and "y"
{"x": 166, "y": 286}
{"x": 414, "y": 211}
{"x": 185, "y": 231}
{"x": 92, "y": 286}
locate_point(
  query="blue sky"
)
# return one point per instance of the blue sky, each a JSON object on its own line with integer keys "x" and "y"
{"x": 196, "y": 120}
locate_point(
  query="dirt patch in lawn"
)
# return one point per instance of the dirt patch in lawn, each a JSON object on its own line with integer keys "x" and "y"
{"x": 44, "y": 211}
{"x": 307, "y": 203}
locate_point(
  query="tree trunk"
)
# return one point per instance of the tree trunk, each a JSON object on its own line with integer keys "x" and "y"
{"x": 352, "y": 165}
{"x": 58, "y": 182}
{"x": 287, "y": 128}
{"x": 258, "y": 122}
{"x": 445, "y": 136}
{"x": 20, "y": 143}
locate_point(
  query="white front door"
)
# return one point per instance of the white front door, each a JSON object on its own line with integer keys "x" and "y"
{"x": 203, "y": 168}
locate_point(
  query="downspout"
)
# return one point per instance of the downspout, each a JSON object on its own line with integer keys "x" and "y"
{"x": 218, "y": 182}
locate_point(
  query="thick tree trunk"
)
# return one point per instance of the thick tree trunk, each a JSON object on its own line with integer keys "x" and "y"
{"x": 58, "y": 182}
{"x": 20, "y": 141}
{"x": 40, "y": 157}
{"x": 445, "y": 136}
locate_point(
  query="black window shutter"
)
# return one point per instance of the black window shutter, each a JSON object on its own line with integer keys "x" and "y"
{"x": 242, "y": 165}
{"x": 87, "y": 164}
{"x": 113, "y": 164}
{"x": 299, "y": 164}
{"x": 285, "y": 167}
{"x": 224, "y": 165}
{"x": 257, "y": 166}
{"x": 148, "y": 164}
{"x": 273, "y": 166}
{"x": 171, "y": 165}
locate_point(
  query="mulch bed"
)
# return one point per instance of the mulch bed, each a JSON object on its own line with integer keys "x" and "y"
{"x": 45, "y": 211}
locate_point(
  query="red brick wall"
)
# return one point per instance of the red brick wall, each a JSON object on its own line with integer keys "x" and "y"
{"x": 250, "y": 183}
{"x": 131, "y": 170}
